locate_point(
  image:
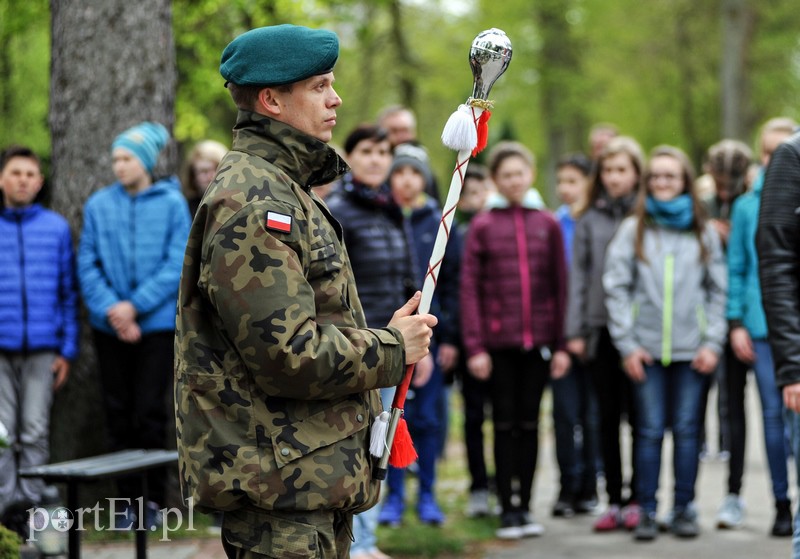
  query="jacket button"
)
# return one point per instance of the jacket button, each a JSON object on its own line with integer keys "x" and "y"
{"x": 360, "y": 418}
{"x": 284, "y": 452}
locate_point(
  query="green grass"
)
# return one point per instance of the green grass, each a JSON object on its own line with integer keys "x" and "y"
{"x": 459, "y": 536}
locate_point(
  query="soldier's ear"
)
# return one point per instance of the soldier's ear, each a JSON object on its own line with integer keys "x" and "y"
{"x": 268, "y": 100}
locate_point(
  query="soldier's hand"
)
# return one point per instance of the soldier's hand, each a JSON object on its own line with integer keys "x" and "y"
{"x": 416, "y": 329}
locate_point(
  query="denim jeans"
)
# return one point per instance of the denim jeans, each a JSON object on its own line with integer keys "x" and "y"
{"x": 26, "y": 394}
{"x": 366, "y": 523}
{"x": 616, "y": 403}
{"x": 576, "y": 424}
{"x": 793, "y": 421}
{"x": 670, "y": 395}
{"x": 774, "y": 427}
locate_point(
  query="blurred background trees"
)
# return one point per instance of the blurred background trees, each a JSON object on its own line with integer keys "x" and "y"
{"x": 684, "y": 72}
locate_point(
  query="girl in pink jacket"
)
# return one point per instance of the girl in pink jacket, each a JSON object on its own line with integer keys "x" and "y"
{"x": 513, "y": 301}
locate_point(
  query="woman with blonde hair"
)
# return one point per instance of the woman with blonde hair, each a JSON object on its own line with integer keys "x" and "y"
{"x": 200, "y": 169}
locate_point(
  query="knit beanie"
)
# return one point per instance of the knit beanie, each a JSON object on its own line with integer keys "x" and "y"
{"x": 145, "y": 141}
{"x": 416, "y": 157}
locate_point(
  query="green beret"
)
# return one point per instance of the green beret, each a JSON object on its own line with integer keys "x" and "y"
{"x": 279, "y": 55}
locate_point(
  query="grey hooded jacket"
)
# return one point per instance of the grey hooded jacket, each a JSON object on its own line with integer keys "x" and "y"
{"x": 671, "y": 305}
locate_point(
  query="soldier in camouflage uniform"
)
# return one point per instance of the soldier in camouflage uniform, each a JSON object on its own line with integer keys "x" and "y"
{"x": 276, "y": 372}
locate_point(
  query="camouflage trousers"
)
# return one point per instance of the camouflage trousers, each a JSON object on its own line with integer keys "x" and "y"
{"x": 252, "y": 533}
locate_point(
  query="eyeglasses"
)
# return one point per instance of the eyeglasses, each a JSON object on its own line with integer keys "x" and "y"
{"x": 668, "y": 177}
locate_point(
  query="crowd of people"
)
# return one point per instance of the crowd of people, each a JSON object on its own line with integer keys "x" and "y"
{"x": 296, "y": 271}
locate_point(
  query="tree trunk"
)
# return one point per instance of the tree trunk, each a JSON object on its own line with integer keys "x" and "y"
{"x": 737, "y": 19}
{"x": 563, "y": 116}
{"x": 113, "y": 65}
{"x": 406, "y": 82}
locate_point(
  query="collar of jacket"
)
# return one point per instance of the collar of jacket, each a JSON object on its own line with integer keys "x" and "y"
{"x": 307, "y": 160}
{"x": 20, "y": 213}
{"x": 531, "y": 201}
{"x": 379, "y": 199}
{"x": 159, "y": 186}
{"x": 616, "y": 206}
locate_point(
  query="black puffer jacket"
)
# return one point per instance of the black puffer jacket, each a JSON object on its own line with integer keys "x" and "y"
{"x": 778, "y": 245}
{"x": 376, "y": 243}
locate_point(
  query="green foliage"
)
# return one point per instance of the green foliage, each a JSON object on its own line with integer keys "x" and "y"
{"x": 25, "y": 71}
{"x": 653, "y": 69}
{"x": 9, "y": 543}
{"x": 459, "y": 536}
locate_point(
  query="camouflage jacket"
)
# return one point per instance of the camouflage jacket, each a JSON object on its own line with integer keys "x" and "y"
{"x": 275, "y": 368}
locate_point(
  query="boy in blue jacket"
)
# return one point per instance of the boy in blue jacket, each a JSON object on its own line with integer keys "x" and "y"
{"x": 129, "y": 264}
{"x": 410, "y": 176}
{"x": 38, "y": 320}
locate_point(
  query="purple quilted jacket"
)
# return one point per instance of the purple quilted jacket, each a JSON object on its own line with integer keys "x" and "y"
{"x": 513, "y": 281}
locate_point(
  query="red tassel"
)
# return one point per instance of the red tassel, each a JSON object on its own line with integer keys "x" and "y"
{"x": 403, "y": 453}
{"x": 483, "y": 132}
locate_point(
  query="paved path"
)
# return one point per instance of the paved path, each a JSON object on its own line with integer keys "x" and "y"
{"x": 573, "y": 538}
{"x": 187, "y": 549}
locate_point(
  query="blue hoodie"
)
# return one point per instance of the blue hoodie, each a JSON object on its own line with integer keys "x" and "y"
{"x": 38, "y": 292}
{"x": 744, "y": 289}
{"x": 131, "y": 249}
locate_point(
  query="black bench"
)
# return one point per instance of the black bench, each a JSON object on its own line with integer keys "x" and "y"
{"x": 115, "y": 464}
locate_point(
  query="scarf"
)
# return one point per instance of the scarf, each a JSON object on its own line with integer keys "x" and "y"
{"x": 677, "y": 213}
{"x": 374, "y": 198}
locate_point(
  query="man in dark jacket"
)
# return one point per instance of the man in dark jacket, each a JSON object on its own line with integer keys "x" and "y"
{"x": 276, "y": 370}
{"x": 38, "y": 320}
{"x": 778, "y": 245}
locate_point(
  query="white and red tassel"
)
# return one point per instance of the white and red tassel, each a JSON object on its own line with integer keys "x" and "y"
{"x": 460, "y": 132}
{"x": 377, "y": 441}
{"x": 482, "y": 133}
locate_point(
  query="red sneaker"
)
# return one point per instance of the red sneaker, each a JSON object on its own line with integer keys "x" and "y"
{"x": 631, "y": 513}
{"x": 609, "y": 520}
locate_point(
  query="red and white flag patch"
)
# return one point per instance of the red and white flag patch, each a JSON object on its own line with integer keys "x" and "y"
{"x": 279, "y": 222}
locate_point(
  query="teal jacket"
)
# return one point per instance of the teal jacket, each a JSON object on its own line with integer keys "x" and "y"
{"x": 744, "y": 306}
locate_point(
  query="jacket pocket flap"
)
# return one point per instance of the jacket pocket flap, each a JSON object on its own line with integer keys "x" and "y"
{"x": 323, "y": 259}
{"x": 324, "y": 428}
{"x": 270, "y": 535}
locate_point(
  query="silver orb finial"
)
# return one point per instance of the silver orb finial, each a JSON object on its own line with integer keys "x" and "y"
{"x": 488, "y": 57}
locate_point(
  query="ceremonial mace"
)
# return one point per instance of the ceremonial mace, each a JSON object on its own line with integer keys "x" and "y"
{"x": 466, "y": 131}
